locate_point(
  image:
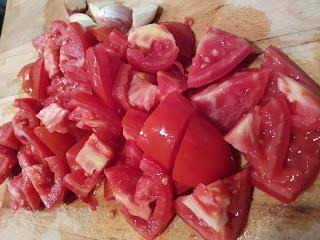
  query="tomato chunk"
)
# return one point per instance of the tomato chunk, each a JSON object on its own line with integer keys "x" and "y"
{"x": 103, "y": 70}
{"x": 224, "y": 103}
{"x": 131, "y": 155}
{"x": 162, "y": 132}
{"x": 100, "y": 33}
{"x": 132, "y": 123}
{"x": 151, "y": 48}
{"x": 135, "y": 191}
{"x": 25, "y": 76}
{"x": 184, "y": 38}
{"x": 218, "y": 53}
{"x": 58, "y": 143}
{"x": 7, "y": 137}
{"x": 204, "y": 153}
{"x": 280, "y": 64}
{"x": 40, "y": 80}
{"x": 8, "y": 161}
{"x": 220, "y": 209}
{"x": 48, "y": 181}
{"x": 118, "y": 42}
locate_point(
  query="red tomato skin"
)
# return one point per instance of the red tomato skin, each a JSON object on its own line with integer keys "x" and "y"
{"x": 225, "y": 102}
{"x": 58, "y": 143}
{"x": 118, "y": 42}
{"x": 185, "y": 40}
{"x": 121, "y": 85}
{"x": 240, "y": 191}
{"x": 25, "y": 76}
{"x": 204, "y": 153}
{"x": 279, "y": 63}
{"x": 102, "y": 74}
{"x": 40, "y": 80}
{"x": 7, "y": 137}
{"x": 8, "y": 161}
{"x": 132, "y": 123}
{"x": 228, "y": 51}
{"x": 26, "y": 157}
{"x": 163, "y": 130}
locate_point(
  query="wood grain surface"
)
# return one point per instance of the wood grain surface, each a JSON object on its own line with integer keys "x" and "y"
{"x": 292, "y": 25}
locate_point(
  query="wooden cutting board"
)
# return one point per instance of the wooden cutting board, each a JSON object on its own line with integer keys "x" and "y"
{"x": 292, "y": 25}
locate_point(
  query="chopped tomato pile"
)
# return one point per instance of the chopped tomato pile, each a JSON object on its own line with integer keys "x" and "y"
{"x": 123, "y": 109}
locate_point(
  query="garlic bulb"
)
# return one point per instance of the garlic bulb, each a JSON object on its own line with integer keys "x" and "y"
{"x": 94, "y": 6}
{"x": 115, "y": 16}
{"x": 83, "y": 19}
{"x": 144, "y": 14}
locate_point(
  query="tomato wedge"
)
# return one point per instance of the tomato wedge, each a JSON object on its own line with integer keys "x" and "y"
{"x": 204, "y": 153}
{"x": 218, "y": 53}
{"x": 219, "y": 210}
{"x": 8, "y": 161}
{"x": 25, "y": 76}
{"x": 40, "y": 80}
{"x": 132, "y": 123}
{"x": 224, "y": 103}
{"x": 162, "y": 132}
{"x": 7, "y": 137}
{"x": 151, "y": 48}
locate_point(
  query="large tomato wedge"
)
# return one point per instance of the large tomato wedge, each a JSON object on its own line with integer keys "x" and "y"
{"x": 224, "y": 103}
{"x": 103, "y": 69}
{"x": 162, "y": 132}
{"x": 263, "y": 136}
{"x": 203, "y": 155}
{"x": 40, "y": 80}
{"x": 137, "y": 191}
{"x": 151, "y": 48}
{"x": 219, "y": 210}
{"x": 184, "y": 38}
{"x": 25, "y": 77}
{"x": 218, "y": 53}
{"x": 48, "y": 180}
{"x": 279, "y": 63}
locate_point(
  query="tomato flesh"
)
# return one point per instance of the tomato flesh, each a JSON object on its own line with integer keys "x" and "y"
{"x": 163, "y": 130}
{"x": 40, "y": 80}
{"x": 7, "y": 137}
{"x": 204, "y": 153}
{"x": 132, "y": 123}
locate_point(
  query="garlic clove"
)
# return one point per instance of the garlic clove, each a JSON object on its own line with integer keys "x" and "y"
{"x": 83, "y": 19}
{"x": 115, "y": 16}
{"x": 75, "y": 6}
{"x": 144, "y": 14}
{"x": 94, "y": 6}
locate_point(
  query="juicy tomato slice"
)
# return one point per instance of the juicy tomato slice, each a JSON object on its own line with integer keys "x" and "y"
{"x": 80, "y": 183}
{"x": 23, "y": 193}
{"x": 263, "y": 136}
{"x": 131, "y": 155}
{"x": 132, "y": 123}
{"x": 185, "y": 40}
{"x": 218, "y": 53}
{"x": 219, "y": 210}
{"x": 204, "y": 153}
{"x": 279, "y": 63}
{"x": 121, "y": 85}
{"x": 152, "y": 48}
{"x": 118, "y": 42}
{"x": 100, "y": 33}
{"x": 93, "y": 104}
{"x": 73, "y": 50}
{"x": 40, "y": 79}
{"x": 300, "y": 171}
{"x": 304, "y": 104}
{"x": 103, "y": 71}
{"x": 58, "y": 143}
{"x": 7, "y": 137}
{"x": 224, "y": 103}
{"x": 54, "y": 118}
{"x": 8, "y": 161}
{"x": 25, "y": 76}
{"x": 135, "y": 192}
{"x": 142, "y": 93}
{"x": 48, "y": 180}
{"x": 171, "y": 81}
{"x": 163, "y": 130}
